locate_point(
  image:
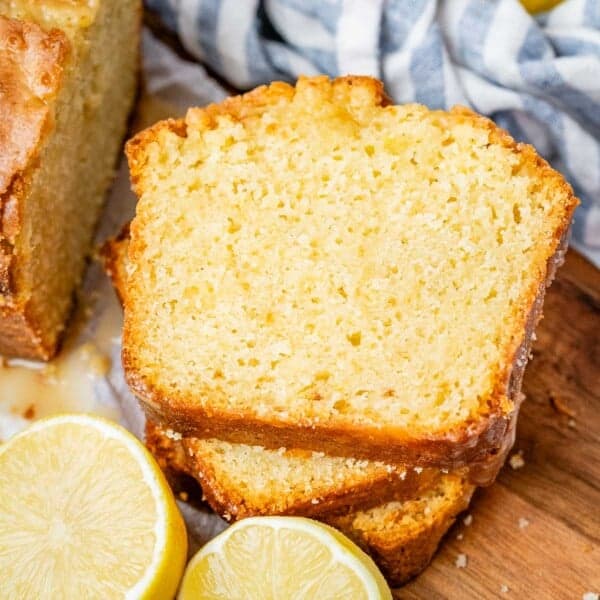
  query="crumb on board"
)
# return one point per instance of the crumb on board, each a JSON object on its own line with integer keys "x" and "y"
{"x": 459, "y": 536}
{"x": 50, "y": 373}
{"x": 468, "y": 520}
{"x": 560, "y": 405}
{"x": 98, "y": 363}
{"x": 516, "y": 461}
{"x": 461, "y": 561}
{"x": 173, "y": 435}
{"x": 29, "y": 412}
{"x": 183, "y": 496}
{"x": 572, "y": 423}
{"x": 523, "y": 523}
{"x": 504, "y": 589}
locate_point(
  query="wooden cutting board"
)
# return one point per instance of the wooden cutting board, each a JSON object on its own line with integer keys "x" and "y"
{"x": 536, "y": 532}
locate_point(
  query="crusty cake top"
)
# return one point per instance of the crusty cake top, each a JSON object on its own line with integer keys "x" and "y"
{"x": 70, "y": 16}
{"x": 31, "y": 66}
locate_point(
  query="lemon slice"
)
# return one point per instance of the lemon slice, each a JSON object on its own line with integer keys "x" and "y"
{"x": 264, "y": 558}
{"x": 85, "y": 512}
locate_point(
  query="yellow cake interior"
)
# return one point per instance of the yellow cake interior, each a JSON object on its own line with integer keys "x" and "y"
{"x": 314, "y": 256}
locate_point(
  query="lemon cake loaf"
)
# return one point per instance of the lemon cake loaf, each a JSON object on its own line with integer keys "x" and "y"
{"x": 68, "y": 74}
{"x": 313, "y": 267}
{"x": 401, "y": 535}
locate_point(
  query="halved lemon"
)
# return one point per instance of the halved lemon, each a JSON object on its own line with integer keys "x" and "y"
{"x": 263, "y": 558}
{"x": 85, "y": 512}
{"x": 535, "y": 6}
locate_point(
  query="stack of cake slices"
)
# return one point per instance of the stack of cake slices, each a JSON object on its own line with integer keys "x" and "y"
{"x": 329, "y": 302}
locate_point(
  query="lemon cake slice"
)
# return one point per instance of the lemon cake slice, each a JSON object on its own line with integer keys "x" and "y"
{"x": 313, "y": 267}
{"x": 401, "y": 535}
{"x": 68, "y": 74}
{"x": 241, "y": 481}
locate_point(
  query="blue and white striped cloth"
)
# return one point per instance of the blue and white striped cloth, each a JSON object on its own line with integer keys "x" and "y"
{"x": 538, "y": 78}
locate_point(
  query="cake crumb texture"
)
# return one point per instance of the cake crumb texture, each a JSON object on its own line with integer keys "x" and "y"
{"x": 313, "y": 257}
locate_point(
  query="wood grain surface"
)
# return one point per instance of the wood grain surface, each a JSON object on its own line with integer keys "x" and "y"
{"x": 536, "y": 532}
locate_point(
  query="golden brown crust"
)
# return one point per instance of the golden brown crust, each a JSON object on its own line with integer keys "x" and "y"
{"x": 31, "y": 70}
{"x": 170, "y": 456}
{"x": 169, "y": 453}
{"x": 19, "y": 334}
{"x": 453, "y": 449}
{"x": 479, "y": 443}
{"x": 112, "y": 253}
{"x": 32, "y": 62}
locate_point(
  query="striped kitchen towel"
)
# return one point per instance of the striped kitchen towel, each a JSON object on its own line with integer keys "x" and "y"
{"x": 537, "y": 77}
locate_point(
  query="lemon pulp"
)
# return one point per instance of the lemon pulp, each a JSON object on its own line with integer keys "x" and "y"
{"x": 86, "y": 513}
{"x": 278, "y": 558}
